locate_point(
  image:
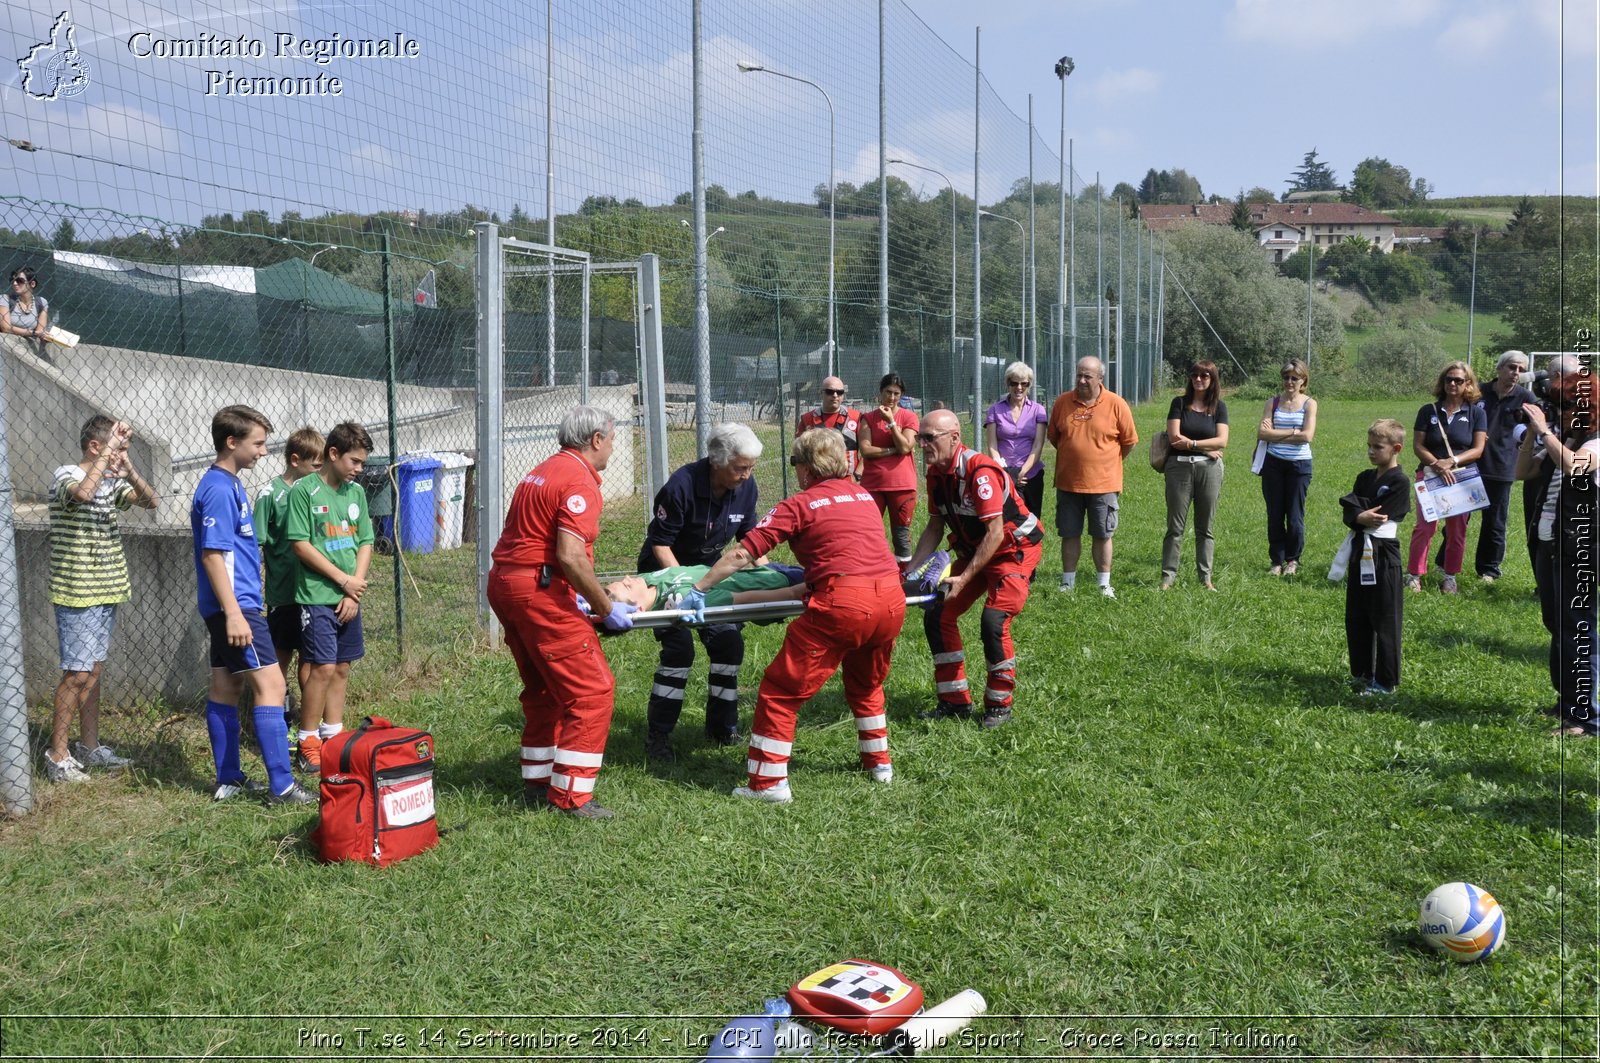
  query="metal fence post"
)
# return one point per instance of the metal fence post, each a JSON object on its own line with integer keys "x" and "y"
{"x": 652, "y": 375}
{"x": 490, "y": 413}
{"x": 394, "y": 442}
{"x": 16, "y": 776}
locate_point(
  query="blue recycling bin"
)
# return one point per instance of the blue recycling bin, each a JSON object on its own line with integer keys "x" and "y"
{"x": 418, "y": 480}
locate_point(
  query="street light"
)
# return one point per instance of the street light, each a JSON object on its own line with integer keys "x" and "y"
{"x": 1064, "y": 67}
{"x": 719, "y": 229}
{"x": 756, "y": 68}
{"x": 305, "y": 305}
{"x": 1024, "y": 236}
{"x": 952, "y": 187}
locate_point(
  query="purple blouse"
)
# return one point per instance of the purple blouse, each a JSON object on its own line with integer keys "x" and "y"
{"x": 1014, "y": 439}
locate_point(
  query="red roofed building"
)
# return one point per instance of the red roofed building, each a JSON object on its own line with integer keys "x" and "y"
{"x": 1283, "y": 228}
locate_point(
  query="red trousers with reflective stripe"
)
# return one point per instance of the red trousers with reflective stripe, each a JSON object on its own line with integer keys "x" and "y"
{"x": 1004, "y": 585}
{"x": 567, "y": 687}
{"x": 850, "y": 622}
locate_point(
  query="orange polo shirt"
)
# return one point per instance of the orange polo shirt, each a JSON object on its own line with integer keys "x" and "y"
{"x": 1091, "y": 439}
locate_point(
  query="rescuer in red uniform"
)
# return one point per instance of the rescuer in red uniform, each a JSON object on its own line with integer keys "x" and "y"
{"x": 995, "y": 541}
{"x": 854, "y": 613}
{"x": 544, "y": 557}
{"x": 834, "y": 414}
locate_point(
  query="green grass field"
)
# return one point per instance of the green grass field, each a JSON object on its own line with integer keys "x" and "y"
{"x": 1193, "y": 838}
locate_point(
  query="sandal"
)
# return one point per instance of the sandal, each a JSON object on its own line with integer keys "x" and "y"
{"x": 1291, "y": 568}
{"x": 1414, "y": 584}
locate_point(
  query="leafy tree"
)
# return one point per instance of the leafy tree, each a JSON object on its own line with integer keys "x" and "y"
{"x": 1313, "y": 175}
{"x": 1380, "y": 184}
{"x": 1259, "y": 194}
{"x": 1170, "y": 186}
{"x": 717, "y": 197}
{"x": 1258, "y": 313}
{"x": 65, "y": 237}
{"x": 1401, "y": 359}
{"x": 597, "y": 204}
{"x": 1557, "y": 308}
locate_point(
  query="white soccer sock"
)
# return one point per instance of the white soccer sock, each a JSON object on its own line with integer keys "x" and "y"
{"x": 1069, "y": 578}
{"x": 304, "y": 734}
{"x": 326, "y": 731}
{"x": 1105, "y": 578}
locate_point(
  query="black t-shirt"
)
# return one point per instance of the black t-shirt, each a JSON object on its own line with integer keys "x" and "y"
{"x": 1390, "y": 490}
{"x": 1501, "y": 416}
{"x": 1197, "y": 425}
{"x": 1463, "y": 425}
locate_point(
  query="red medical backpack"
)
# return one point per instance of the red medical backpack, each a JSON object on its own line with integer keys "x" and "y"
{"x": 377, "y": 794}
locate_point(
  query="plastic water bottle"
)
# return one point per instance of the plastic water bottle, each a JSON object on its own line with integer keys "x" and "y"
{"x": 752, "y": 1036}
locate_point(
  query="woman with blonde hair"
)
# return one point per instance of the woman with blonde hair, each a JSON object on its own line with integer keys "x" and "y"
{"x": 1287, "y": 426}
{"x": 1013, "y": 435}
{"x": 1449, "y": 433}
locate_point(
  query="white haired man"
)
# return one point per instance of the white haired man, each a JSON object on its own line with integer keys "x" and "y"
{"x": 703, "y": 506}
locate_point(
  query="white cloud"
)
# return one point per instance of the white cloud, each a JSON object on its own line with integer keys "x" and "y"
{"x": 1477, "y": 34}
{"x": 375, "y": 156}
{"x": 1325, "y": 22}
{"x": 1117, "y": 85}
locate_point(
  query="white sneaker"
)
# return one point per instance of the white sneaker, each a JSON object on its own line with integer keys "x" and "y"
{"x": 229, "y": 790}
{"x": 1064, "y": 587}
{"x": 776, "y": 795}
{"x": 101, "y": 756}
{"x": 883, "y": 773}
{"x": 1107, "y": 592}
{"x": 68, "y": 770}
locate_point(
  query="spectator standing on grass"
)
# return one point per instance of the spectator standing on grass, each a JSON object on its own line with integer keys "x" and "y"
{"x": 302, "y": 456}
{"x": 544, "y": 559}
{"x": 27, "y": 312}
{"x": 227, "y": 564}
{"x": 888, "y": 438}
{"x": 1013, "y": 435}
{"x": 1287, "y": 426}
{"x": 1197, "y": 429}
{"x": 331, "y": 533}
{"x": 995, "y": 539}
{"x": 88, "y": 580}
{"x": 1092, "y": 431}
{"x": 1449, "y": 433}
{"x": 702, "y": 507}
{"x": 1370, "y": 556}
{"x": 852, "y": 617}
{"x": 1502, "y": 404}
{"x": 832, "y": 413}
{"x": 1567, "y": 458}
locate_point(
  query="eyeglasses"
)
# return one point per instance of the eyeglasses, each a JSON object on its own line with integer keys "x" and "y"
{"x": 833, "y": 391}
{"x": 1019, "y": 383}
{"x": 1200, "y": 375}
{"x": 929, "y": 437}
{"x": 1455, "y": 380}
{"x": 19, "y": 280}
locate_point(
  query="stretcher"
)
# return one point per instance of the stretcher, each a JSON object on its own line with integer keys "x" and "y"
{"x": 752, "y": 612}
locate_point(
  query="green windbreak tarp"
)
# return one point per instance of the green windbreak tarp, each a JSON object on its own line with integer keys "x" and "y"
{"x": 295, "y": 282}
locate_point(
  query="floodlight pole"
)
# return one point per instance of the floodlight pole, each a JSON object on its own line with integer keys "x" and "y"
{"x": 550, "y": 191}
{"x": 977, "y": 240}
{"x": 883, "y": 205}
{"x": 702, "y": 310}
{"x": 1064, "y": 67}
{"x": 1023, "y": 235}
{"x": 833, "y": 148}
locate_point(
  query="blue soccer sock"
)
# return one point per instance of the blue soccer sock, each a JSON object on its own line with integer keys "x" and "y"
{"x": 273, "y": 737}
{"x": 222, "y": 725}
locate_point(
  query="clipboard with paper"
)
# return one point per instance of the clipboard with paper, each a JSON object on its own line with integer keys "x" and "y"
{"x": 1437, "y": 500}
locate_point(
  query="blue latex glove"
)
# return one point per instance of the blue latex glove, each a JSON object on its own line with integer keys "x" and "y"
{"x": 621, "y": 618}
{"x": 583, "y": 604}
{"x": 694, "y": 602}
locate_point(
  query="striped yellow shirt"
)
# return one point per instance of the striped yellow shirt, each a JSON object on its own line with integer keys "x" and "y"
{"x": 87, "y": 566}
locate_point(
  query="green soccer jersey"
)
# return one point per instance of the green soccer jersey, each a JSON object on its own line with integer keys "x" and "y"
{"x": 670, "y": 584}
{"x": 333, "y": 520}
{"x": 272, "y": 535}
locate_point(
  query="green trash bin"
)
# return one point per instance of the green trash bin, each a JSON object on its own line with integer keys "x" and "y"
{"x": 380, "y": 501}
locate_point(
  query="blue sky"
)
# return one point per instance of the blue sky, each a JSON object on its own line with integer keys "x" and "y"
{"x": 1465, "y": 93}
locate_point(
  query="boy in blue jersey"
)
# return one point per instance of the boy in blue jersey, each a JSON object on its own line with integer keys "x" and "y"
{"x": 227, "y": 564}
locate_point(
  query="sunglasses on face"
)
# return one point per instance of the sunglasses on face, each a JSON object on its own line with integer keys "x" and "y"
{"x": 1200, "y": 376}
{"x": 833, "y": 391}
{"x": 1455, "y": 380}
{"x": 929, "y": 437}
{"x": 1020, "y": 383}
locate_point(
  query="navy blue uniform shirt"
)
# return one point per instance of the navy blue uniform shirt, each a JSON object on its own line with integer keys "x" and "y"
{"x": 694, "y": 525}
{"x": 1502, "y": 416}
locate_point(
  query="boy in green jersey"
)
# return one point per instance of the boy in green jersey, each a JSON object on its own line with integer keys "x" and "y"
{"x": 332, "y": 538}
{"x": 302, "y": 456}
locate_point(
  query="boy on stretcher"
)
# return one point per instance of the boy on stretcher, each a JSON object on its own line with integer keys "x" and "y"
{"x": 662, "y": 589}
